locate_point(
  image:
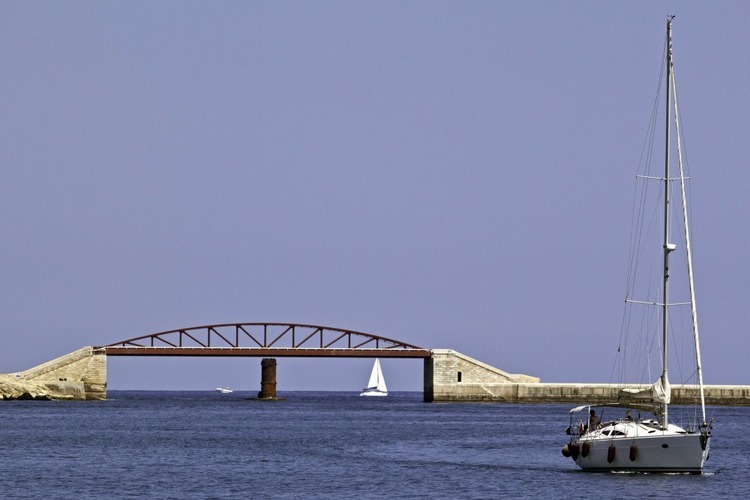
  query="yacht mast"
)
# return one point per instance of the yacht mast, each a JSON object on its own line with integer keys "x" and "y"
{"x": 668, "y": 247}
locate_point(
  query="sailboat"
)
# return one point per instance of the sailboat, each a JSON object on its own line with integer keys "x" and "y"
{"x": 651, "y": 443}
{"x": 376, "y": 385}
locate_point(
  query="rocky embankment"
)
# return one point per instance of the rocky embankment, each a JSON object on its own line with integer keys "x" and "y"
{"x": 12, "y": 387}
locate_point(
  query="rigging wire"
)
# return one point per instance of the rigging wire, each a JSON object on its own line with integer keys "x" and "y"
{"x": 637, "y": 236}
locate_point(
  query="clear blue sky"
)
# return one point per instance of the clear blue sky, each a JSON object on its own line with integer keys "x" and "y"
{"x": 452, "y": 175}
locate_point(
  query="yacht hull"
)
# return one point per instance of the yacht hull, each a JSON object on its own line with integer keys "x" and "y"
{"x": 661, "y": 452}
{"x": 373, "y": 393}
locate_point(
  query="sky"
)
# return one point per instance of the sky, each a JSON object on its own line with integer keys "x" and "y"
{"x": 449, "y": 174}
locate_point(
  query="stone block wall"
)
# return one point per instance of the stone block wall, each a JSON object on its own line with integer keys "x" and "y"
{"x": 80, "y": 375}
{"x": 452, "y": 376}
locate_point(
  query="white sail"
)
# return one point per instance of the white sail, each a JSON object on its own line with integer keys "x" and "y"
{"x": 376, "y": 385}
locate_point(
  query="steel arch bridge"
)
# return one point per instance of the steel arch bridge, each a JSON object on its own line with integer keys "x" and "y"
{"x": 264, "y": 340}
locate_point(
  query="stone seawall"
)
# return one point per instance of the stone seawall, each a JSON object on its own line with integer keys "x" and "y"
{"x": 575, "y": 394}
{"x": 79, "y": 375}
{"x": 450, "y": 376}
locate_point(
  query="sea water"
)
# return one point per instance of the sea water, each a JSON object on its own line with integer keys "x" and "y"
{"x": 324, "y": 445}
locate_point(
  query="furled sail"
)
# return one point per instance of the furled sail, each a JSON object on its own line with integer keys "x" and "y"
{"x": 658, "y": 392}
{"x": 662, "y": 391}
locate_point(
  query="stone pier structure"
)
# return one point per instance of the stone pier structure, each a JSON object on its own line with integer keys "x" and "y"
{"x": 79, "y": 375}
{"x": 450, "y": 376}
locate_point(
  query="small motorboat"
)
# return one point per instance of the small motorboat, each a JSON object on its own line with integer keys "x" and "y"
{"x": 223, "y": 390}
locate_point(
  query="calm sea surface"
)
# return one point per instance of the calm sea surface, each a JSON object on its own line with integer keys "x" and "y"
{"x": 324, "y": 445}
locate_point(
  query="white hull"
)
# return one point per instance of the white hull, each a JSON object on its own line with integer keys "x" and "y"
{"x": 223, "y": 390}
{"x": 373, "y": 392}
{"x": 656, "y": 450}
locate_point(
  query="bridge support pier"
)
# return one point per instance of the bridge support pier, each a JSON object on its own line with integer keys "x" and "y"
{"x": 452, "y": 376}
{"x": 268, "y": 379}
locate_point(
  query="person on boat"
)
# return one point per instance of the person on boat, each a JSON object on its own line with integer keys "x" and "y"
{"x": 628, "y": 416}
{"x": 594, "y": 420}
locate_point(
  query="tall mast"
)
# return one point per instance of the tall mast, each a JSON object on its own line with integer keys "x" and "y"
{"x": 668, "y": 247}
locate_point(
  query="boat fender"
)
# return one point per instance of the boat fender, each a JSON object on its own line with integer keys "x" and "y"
{"x": 611, "y": 454}
{"x": 574, "y": 450}
{"x": 566, "y": 451}
{"x": 633, "y": 452}
{"x": 585, "y": 449}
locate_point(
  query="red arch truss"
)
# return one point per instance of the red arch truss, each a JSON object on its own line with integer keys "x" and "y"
{"x": 264, "y": 339}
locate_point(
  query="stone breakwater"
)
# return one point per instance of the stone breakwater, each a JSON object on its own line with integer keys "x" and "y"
{"x": 454, "y": 377}
{"x": 12, "y": 387}
{"x": 449, "y": 376}
{"x": 16, "y": 388}
{"x": 80, "y": 375}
